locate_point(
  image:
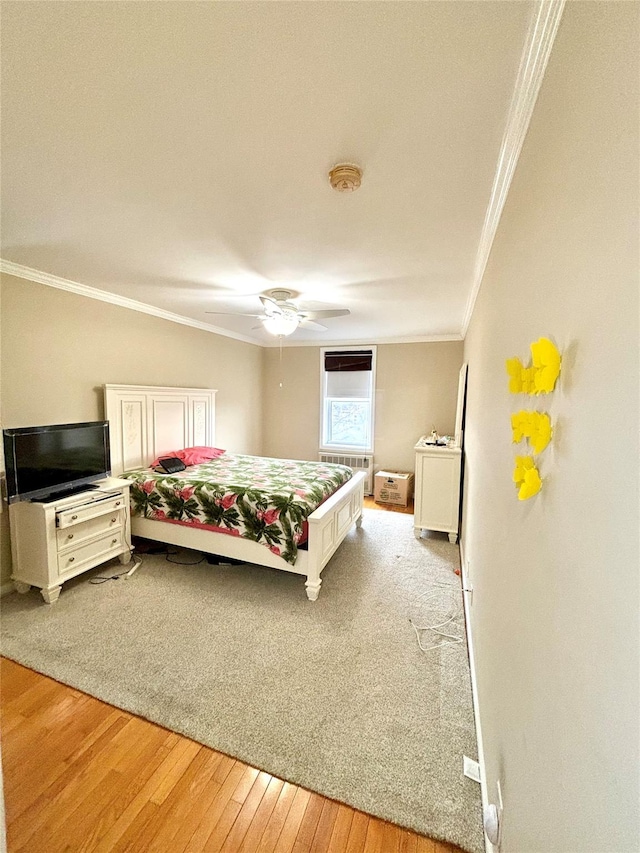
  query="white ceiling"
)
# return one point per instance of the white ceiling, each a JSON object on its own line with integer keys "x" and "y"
{"x": 176, "y": 153}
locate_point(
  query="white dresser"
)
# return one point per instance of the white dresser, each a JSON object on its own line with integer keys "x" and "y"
{"x": 53, "y": 542}
{"x": 437, "y": 492}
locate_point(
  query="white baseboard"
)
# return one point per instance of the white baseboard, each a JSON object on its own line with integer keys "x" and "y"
{"x": 466, "y": 598}
{"x": 6, "y": 588}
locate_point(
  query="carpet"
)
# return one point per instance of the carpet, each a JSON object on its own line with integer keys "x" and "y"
{"x": 334, "y": 695}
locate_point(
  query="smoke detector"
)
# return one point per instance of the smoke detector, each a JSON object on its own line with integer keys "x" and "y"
{"x": 345, "y": 177}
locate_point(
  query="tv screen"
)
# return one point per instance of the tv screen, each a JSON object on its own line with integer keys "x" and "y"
{"x": 44, "y": 461}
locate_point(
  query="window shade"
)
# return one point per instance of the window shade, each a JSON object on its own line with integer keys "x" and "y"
{"x": 352, "y": 383}
{"x": 348, "y": 361}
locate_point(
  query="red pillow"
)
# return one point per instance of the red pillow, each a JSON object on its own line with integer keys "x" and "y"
{"x": 191, "y": 455}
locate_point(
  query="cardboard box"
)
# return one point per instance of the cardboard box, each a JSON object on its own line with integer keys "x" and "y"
{"x": 393, "y": 487}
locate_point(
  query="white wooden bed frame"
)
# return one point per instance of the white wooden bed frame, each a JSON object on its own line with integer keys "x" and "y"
{"x": 146, "y": 421}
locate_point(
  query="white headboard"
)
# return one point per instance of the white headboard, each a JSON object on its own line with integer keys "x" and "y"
{"x": 146, "y": 421}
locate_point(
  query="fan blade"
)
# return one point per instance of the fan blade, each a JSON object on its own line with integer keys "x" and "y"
{"x": 309, "y": 324}
{"x": 315, "y": 315}
{"x": 270, "y": 306}
{"x": 234, "y": 314}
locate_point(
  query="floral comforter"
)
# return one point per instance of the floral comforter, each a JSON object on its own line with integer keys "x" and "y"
{"x": 265, "y": 500}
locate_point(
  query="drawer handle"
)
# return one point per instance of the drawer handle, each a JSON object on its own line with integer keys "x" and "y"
{"x": 114, "y": 519}
{"x": 73, "y": 517}
{"x": 70, "y": 536}
{"x": 117, "y": 503}
{"x": 71, "y": 559}
{"x": 113, "y": 541}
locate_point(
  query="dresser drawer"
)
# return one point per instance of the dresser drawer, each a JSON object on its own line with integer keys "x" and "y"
{"x": 82, "y": 531}
{"x": 77, "y": 515}
{"x": 94, "y": 552}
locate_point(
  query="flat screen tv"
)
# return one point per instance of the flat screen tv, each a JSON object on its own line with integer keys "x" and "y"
{"x": 47, "y": 462}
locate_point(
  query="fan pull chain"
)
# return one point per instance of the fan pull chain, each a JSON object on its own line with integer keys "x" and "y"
{"x": 280, "y": 343}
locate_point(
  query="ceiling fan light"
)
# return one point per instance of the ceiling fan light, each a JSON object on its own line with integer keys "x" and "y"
{"x": 281, "y": 324}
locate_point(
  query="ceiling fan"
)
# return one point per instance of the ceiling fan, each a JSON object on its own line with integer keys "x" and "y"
{"x": 282, "y": 316}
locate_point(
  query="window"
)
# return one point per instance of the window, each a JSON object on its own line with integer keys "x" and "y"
{"x": 347, "y": 399}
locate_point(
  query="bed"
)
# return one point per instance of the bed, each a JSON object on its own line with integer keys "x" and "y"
{"x": 147, "y": 421}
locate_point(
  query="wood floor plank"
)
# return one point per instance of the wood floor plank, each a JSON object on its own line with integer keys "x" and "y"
{"x": 391, "y": 838}
{"x": 164, "y": 761}
{"x": 233, "y": 842}
{"x": 209, "y": 823}
{"x": 67, "y": 834}
{"x": 188, "y": 788}
{"x": 196, "y": 806}
{"x": 37, "y": 695}
{"x": 310, "y": 821}
{"x": 48, "y": 812}
{"x": 245, "y": 784}
{"x": 358, "y": 833}
{"x": 408, "y": 842}
{"x": 222, "y": 828}
{"x": 15, "y": 679}
{"x": 425, "y": 845}
{"x": 341, "y": 829}
{"x": 72, "y": 773}
{"x": 109, "y": 825}
{"x": 17, "y": 749}
{"x": 133, "y": 838}
{"x": 257, "y": 826}
{"x": 83, "y": 777}
{"x": 11, "y": 721}
{"x": 324, "y": 830}
{"x": 277, "y": 819}
{"x": 32, "y": 785}
{"x": 375, "y": 834}
{"x": 185, "y": 753}
{"x": 224, "y": 768}
{"x": 35, "y": 761}
{"x": 287, "y": 837}
{"x": 86, "y": 824}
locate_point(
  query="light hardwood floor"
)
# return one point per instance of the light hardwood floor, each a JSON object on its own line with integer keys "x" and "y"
{"x": 81, "y": 775}
{"x": 369, "y": 503}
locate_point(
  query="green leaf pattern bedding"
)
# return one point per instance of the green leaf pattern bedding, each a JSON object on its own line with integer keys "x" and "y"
{"x": 258, "y": 498}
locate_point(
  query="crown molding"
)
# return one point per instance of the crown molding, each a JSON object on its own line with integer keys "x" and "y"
{"x": 20, "y": 271}
{"x": 537, "y": 48}
{"x": 10, "y": 268}
{"x": 366, "y": 342}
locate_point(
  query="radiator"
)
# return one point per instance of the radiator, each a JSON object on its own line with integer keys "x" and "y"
{"x": 358, "y": 463}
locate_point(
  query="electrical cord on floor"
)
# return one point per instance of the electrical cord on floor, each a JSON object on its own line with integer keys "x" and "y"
{"x": 444, "y": 619}
{"x": 98, "y": 579}
{"x": 179, "y": 562}
{"x": 159, "y": 551}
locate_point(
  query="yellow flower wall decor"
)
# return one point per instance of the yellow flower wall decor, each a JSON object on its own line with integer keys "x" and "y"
{"x": 534, "y": 426}
{"x": 526, "y": 477}
{"x": 521, "y": 378}
{"x": 546, "y": 361}
{"x": 540, "y": 378}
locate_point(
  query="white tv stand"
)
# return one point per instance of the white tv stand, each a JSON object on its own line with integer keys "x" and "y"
{"x": 53, "y": 542}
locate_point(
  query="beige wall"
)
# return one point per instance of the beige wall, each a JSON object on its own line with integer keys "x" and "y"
{"x": 5, "y": 545}
{"x": 555, "y": 612}
{"x": 416, "y": 388}
{"x": 58, "y": 349}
